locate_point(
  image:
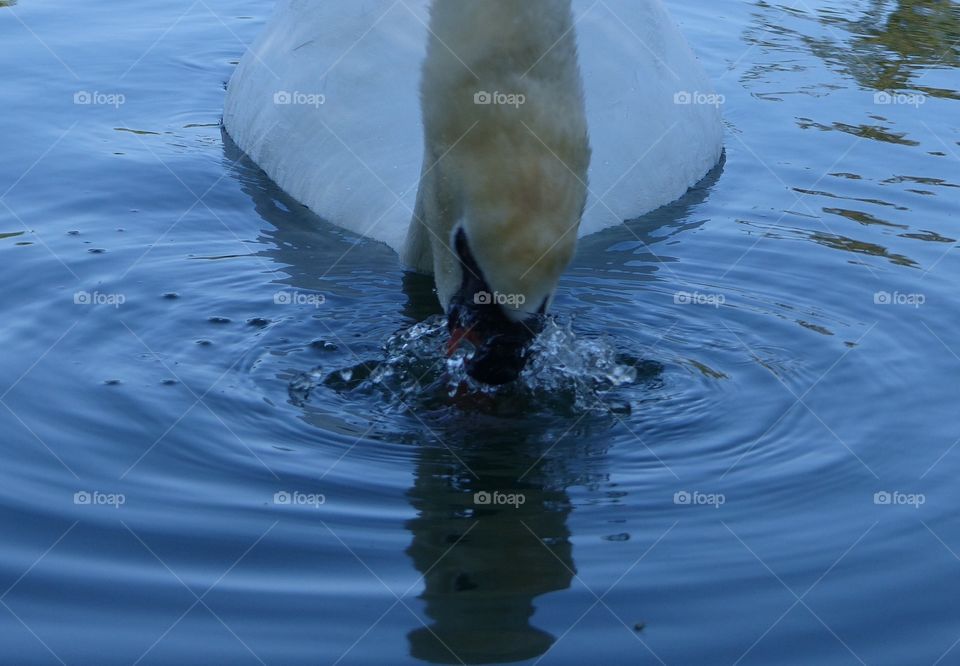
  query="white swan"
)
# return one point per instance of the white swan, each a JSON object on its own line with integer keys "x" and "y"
{"x": 456, "y": 131}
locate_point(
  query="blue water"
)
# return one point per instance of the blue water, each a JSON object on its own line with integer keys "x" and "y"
{"x": 741, "y": 445}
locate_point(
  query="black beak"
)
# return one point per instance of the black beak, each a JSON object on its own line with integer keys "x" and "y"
{"x": 502, "y": 345}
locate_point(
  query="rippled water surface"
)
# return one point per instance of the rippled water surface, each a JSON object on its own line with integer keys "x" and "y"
{"x": 230, "y": 434}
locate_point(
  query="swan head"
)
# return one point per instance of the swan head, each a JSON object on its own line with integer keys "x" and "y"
{"x": 504, "y": 184}
{"x": 507, "y": 258}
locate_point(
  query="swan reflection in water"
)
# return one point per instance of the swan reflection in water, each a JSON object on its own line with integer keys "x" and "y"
{"x": 490, "y": 537}
{"x": 484, "y": 564}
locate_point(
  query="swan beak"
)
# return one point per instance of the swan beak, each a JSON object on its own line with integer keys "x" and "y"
{"x": 501, "y": 345}
{"x": 457, "y": 336}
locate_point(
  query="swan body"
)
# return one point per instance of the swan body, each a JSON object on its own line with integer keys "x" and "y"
{"x": 477, "y": 138}
{"x": 356, "y": 158}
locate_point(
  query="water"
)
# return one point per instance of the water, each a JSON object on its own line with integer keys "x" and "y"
{"x": 242, "y": 446}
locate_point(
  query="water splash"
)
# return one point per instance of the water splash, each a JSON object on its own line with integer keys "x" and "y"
{"x": 565, "y": 372}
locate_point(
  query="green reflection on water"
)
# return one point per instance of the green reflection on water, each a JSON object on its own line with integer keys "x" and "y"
{"x": 892, "y": 44}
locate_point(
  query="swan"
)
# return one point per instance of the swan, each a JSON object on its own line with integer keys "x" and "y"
{"x": 477, "y": 138}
